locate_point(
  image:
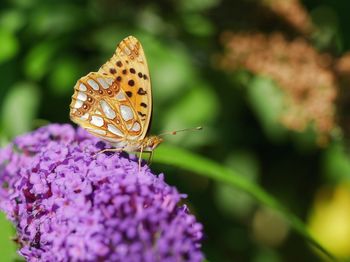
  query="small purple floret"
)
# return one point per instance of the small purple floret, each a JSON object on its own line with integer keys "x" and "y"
{"x": 68, "y": 205}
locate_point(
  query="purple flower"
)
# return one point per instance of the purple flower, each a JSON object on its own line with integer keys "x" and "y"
{"x": 68, "y": 205}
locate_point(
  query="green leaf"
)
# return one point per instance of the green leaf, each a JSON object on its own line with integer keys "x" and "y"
{"x": 64, "y": 75}
{"x": 231, "y": 200}
{"x": 63, "y": 20}
{"x": 12, "y": 19}
{"x": 107, "y": 37}
{"x": 24, "y": 3}
{"x": 151, "y": 21}
{"x": 267, "y": 102}
{"x": 19, "y": 109}
{"x": 198, "y": 25}
{"x": 205, "y": 167}
{"x": 197, "y": 5}
{"x": 203, "y": 104}
{"x": 39, "y": 60}
{"x": 7, "y": 245}
{"x": 336, "y": 163}
{"x": 8, "y": 45}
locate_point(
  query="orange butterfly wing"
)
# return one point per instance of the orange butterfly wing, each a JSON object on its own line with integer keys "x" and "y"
{"x": 115, "y": 103}
{"x": 129, "y": 67}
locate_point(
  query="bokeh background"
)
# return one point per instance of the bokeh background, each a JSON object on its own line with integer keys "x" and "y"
{"x": 267, "y": 79}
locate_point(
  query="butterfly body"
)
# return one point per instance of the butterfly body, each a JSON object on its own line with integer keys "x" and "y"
{"x": 115, "y": 103}
{"x": 148, "y": 144}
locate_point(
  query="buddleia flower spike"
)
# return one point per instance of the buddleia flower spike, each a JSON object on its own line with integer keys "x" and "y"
{"x": 69, "y": 206}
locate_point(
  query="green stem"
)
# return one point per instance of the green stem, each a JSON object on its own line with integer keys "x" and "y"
{"x": 170, "y": 155}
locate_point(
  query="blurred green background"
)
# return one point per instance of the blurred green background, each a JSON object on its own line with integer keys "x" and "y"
{"x": 267, "y": 79}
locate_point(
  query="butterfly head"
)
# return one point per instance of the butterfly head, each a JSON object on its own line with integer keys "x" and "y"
{"x": 151, "y": 142}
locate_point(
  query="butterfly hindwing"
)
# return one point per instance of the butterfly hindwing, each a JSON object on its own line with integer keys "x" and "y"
{"x": 102, "y": 107}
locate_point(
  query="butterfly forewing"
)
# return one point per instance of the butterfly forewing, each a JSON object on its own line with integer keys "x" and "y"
{"x": 129, "y": 68}
{"x": 115, "y": 103}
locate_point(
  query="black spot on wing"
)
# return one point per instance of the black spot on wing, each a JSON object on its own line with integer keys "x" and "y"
{"x": 141, "y": 91}
{"x": 131, "y": 82}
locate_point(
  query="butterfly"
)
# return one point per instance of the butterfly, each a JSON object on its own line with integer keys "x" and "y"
{"x": 115, "y": 103}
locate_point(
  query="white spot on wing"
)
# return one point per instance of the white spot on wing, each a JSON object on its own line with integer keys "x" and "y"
{"x": 136, "y": 127}
{"x": 120, "y": 96}
{"x": 103, "y": 82}
{"x": 109, "y": 112}
{"x": 97, "y": 121}
{"x": 97, "y": 131}
{"x": 85, "y": 116}
{"x": 132, "y": 46}
{"x": 109, "y": 81}
{"x": 78, "y": 104}
{"x": 93, "y": 84}
{"x": 126, "y": 112}
{"x": 127, "y": 51}
{"x": 82, "y": 87}
{"x": 115, "y": 130}
{"x": 82, "y": 96}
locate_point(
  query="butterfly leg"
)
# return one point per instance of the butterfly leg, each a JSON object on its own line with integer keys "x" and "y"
{"x": 150, "y": 157}
{"x": 109, "y": 150}
{"x": 140, "y": 158}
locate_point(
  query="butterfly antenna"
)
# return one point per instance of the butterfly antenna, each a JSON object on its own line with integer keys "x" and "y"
{"x": 181, "y": 130}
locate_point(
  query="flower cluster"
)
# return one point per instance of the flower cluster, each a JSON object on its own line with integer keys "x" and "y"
{"x": 304, "y": 75}
{"x": 292, "y": 12}
{"x": 70, "y": 205}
